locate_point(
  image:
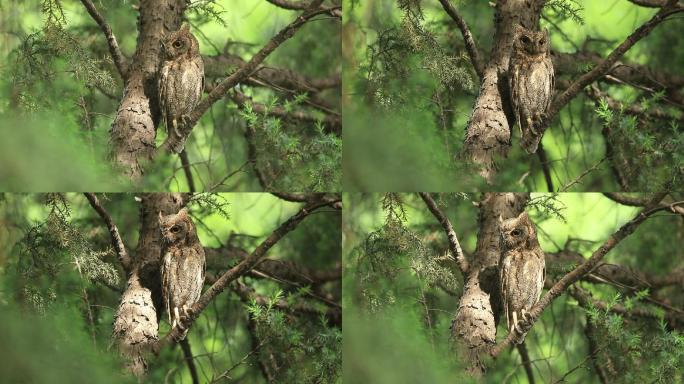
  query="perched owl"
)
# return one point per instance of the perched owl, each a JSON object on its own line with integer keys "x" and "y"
{"x": 521, "y": 269}
{"x": 531, "y": 82}
{"x": 181, "y": 82}
{"x": 183, "y": 265}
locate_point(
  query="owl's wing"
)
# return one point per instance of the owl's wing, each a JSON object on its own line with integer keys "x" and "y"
{"x": 541, "y": 278}
{"x": 166, "y": 282}
{"x": 552, "y": 82}
{"x": 504, "y": 289}
{"x": 162, "y": 85}
{"x": 513, "y": 80}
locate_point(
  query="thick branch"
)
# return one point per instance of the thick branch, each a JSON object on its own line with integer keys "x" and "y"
{"x": 627, "y": 200}
{"x": 219, "y": 66}
{"x": 605, "y": 66}
{"x": 117, "y": 242}
{"x": 114, "y": 49}
{"x": 454, "y": 245}
{"x": 467, "y": 37}
{"x": 240, "y": 269}
{"x": 582, "y": 270}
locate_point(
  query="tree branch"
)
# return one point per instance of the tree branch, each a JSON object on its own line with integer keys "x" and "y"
{"x": 185, "y": 162}
{"x": 454, "y": 245}
{"x": 627, "y": 200}
{"x": 241, "y": 268}
{"x": 525, "y": 358}
{"x": 300, "y": 6}
{"x": 583, "y": 269}
{"x": 190, "y": 360}
{"x": 467, "y": 37}
{"x": 117, "y": 242}
{"x": 604, "y": 67}
{"x": 114, "y": 49}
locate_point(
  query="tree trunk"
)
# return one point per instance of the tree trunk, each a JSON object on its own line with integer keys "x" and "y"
{"x": 488, "y": 134}
{"x": 474, "y": 326}
{"x": 133, "y": 131}
{"x": 136, "y": 322}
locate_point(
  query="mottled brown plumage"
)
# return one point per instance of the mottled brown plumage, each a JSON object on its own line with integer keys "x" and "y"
{"x": 181, "y": 82}
{"x": 531, "y": 81}
{"x": 183, "y": 265}
{"x": 521, "y": 269}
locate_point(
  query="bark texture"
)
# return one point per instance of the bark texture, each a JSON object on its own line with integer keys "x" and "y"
{"x": 137, "y": 318}
{"x": 133, "y": 131}
{"x": 488, "y": 134}
{"x": 474, "y": 326}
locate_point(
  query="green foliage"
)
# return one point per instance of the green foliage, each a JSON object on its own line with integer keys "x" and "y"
{"x": 636, "y": 351}
{"x": 307, "y": 351}
{"x": 293, "y": 155}
{"x": 640, "y": 142}
{"x": 51, "y": 246}
{"x": 566, "y": 9}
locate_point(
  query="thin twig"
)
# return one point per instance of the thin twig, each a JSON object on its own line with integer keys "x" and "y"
{"x": 117, "y": 242}
{"x": 467, "y": 37}
{"x": 454, "y": 245}
{"x": 114, "y": 49}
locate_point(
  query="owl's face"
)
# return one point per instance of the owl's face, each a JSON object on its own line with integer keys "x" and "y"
{"x": 515, "y": 232}
{"x": 178, "y": 43}
{"x": 531, "y": 42}
{"x": 174, "y": 228}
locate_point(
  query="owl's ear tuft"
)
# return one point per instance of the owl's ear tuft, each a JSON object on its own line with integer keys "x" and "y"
{"x": 523, "y": 215}
{"x": 160, "y": 216}
{"x": 500, "y": 220}
{"x": 185, "y": 27}
{"x": 519, "y": 29}
{"x": 183, "y": 212}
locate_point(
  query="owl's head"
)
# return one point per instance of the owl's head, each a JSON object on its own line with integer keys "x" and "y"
{"x": 516, "y": 232}
{"x": 176, "y": 227}
{"x": 180, "y": 42}
{"x": 531, "y": 42}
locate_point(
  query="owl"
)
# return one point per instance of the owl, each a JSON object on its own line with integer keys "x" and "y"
{"x": 183, "y": 265}
{"x": 521, "y": 269}
{"x": 181, "y": 82}
{"x": 531, "y": 82}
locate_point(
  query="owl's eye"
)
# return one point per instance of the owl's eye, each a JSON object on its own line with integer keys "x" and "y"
{"x": 516, "y": 232}
{"x": 541, "y": 42}
{"x": 525, "y": 39}
{"x": 175, "y": 229}
{"x": 177, "y": 44}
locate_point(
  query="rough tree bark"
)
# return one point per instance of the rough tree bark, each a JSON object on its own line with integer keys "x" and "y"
{"x": 134, "y": 131}
{"x": 488, "y": 134}
{"x": 474, "y": 326}
{"x": 136, "y": 321}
